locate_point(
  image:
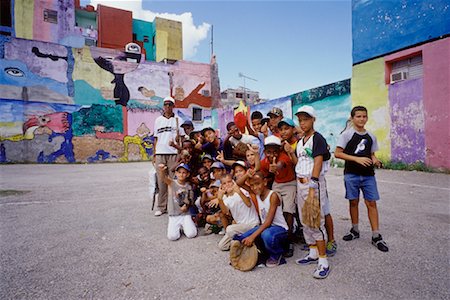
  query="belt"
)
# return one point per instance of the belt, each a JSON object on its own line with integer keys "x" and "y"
{"x": 303, "y": 179}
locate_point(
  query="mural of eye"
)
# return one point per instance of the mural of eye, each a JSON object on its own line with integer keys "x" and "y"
{"x": 15, "y": 72}
{"x": 133, "y": 48}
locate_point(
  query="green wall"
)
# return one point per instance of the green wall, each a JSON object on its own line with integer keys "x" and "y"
{"x": 141, "y": 29}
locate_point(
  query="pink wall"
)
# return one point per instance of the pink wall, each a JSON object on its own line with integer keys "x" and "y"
{"x": 136, "y": 118}
{"x": 436, "y": 74}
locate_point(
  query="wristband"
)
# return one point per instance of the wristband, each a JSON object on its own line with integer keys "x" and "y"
{"x": 314, "y": 183}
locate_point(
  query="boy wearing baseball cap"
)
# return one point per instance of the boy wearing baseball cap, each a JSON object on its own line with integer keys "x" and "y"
{"x": 180, "y": 199}
{"x": 312, "y": 157}
{"x": 278, "y": 165}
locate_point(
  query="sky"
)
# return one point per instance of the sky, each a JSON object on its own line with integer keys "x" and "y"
{"x": 287, "y": 46}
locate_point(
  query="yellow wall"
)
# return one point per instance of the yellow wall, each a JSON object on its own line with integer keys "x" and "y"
{"x": 86, "y": 69}
{"x": 168, "y": 39}
{"x": 368, "y": 88}
{"x": 23, "y": 18}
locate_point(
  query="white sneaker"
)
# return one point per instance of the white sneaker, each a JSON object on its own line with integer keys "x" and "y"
{"x": 158, "y": 213}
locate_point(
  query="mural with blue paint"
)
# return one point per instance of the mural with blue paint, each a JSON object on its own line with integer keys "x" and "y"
{"x": 381, "y": 27}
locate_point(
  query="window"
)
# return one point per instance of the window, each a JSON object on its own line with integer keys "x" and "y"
{"x": 51, "y": 16}
{"x": 205, "y": 93}
{"x": 146, "y": 39}
{"x": 197, "y": 114}
{"x": 5, "y": 17}
{"x": 409, "y": 68}
{"x": 239, "y": 95}
{"x": 134, "y": 37}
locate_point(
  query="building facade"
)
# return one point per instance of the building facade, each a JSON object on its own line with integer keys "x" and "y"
{"x": 401, "y": 73}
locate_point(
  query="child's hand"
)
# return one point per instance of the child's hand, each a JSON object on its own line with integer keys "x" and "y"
{"x": 248, "y": 241}
{"x": 184, "y": 208}
{"x": 203, "y": 190}
{"x": 162, "y": 167}
{"x": 220, "y": 156}
{"x": 377, "y": 163}
{"x": 365, "y": 161}
{"x": 250, "y": 172}
{"x": 213, "y": 203}
{"x": 221, "y": 192}
{"x": 236, "y": 188}
{"x": 287, "y": 148}
{"x": 273, "y": 166}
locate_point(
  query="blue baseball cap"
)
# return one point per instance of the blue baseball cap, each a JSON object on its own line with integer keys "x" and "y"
{"x": 287, "y": 121}
{"x": 184, "y": 166}
{"x": 217, "y": 165}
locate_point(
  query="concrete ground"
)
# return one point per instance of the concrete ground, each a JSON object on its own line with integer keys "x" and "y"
{"x": 87, "y": 231}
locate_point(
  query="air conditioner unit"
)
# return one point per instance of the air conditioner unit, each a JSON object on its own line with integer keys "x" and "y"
{"x": 398, "y": 76}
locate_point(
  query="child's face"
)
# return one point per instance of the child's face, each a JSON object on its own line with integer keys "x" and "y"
{"x": 256, "y": 123}
{"x": 214, "y": 190}
{"x": 234, "y": 132}
{"x": 189, "y": 147}
{"x": 204, "y": 174}
{"x": 274, "y": 120}
{"x": 286, "y": 132}
{"x": 250, "y": 156}
{"x": 360, "y": 119}
{"x": 258, "y": 184}
{"x": 239, "y": 171}
{"x": 217, "y": 173}
{"x": 210, "y": 136}
{"x": 272, "y": 152}
{"x": 182, "y": 174}
{"x": 207, "y": 163}
{"x": 306, "y": 122}
{"x": 188, "y": 129}
{"x": 227, "y": 183}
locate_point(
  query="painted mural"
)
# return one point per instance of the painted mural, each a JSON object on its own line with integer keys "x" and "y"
{"x": 64, "y": 105}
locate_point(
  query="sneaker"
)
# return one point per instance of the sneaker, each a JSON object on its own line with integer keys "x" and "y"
{"x": 352, "y": 235}
{"x": 208, "y": 229}
{"x": 306, "y": 260}
{"x": 331, "y": 248}
{"x": 273, "y": 262}
{"x": 290, "y": 251}
{"x": 321, "y": 272}
{"x": 158, "y": 213}
{"x": 222, "y": 232}
{"x": 380, "y": 244}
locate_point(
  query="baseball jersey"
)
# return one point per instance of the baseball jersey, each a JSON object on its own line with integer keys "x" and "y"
{"x": 306, "y": 152}
{"x": 165, "y": 130}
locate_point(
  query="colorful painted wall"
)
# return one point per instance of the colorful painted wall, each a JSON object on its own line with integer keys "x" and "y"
{"x": 62, "y": 104}
{"x": 332, "y": 103}
{"x": 381, "y": 27}
{"x": 410, "y": 117}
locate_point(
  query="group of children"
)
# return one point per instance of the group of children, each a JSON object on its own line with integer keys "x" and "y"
{"x": 252, "y": 187}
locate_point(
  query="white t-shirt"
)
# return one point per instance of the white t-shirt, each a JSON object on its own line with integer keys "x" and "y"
{"x": 242, "y": 214}
{"x": 165, "y": 130}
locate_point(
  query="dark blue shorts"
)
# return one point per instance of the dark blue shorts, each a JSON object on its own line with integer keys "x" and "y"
{"x": 367, "y": 184}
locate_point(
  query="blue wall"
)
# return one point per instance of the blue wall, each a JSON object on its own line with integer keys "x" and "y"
{"x": 381, "y": 27}
{"x": 141, "y": 28}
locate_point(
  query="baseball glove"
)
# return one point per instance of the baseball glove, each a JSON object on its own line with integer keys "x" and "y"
{"x": 311, "y": 211}
{"x": 242, "y": 257}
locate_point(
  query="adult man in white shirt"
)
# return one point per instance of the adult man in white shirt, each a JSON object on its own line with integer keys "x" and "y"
{"x": 166, "y": 130}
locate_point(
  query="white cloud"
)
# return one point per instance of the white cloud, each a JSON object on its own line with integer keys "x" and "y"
{"x": 192, "y": 35}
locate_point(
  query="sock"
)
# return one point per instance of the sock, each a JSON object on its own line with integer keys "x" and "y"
{"x": 375, "y": 234}
{"x": 313, "y": 252}
{"x": 355, "y": 227}
{"x": 323, "y": 261}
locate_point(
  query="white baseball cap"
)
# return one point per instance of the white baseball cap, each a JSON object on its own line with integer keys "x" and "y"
{"x": 170, "y": 99}
{"x": 272, "y": 140}
{"x": 307, "y": 109}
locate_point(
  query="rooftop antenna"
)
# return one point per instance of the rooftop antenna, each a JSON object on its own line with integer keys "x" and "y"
{"x": 212, "y": 42}
{"x": 240, "y": 74}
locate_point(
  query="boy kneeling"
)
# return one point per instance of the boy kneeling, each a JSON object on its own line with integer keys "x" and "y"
{"x": 180, "y": 198}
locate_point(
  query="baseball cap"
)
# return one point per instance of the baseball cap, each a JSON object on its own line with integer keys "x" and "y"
{"x": 239, "y": 163}
{"x": 206, "y": 129}
{"x": 217, "y": 165}
{"x": 215, "y": 184}
{"x": 169, "y": 99}
{"x": 308, "y": 110}
{"x": 287, "y": 121}
{"x": 187, "y": 123}
{"x": 184, "y": 166}
{"x": 207, "y": 156}
{"x": 272, "y": 140}
{"x": 276, "y": 112}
